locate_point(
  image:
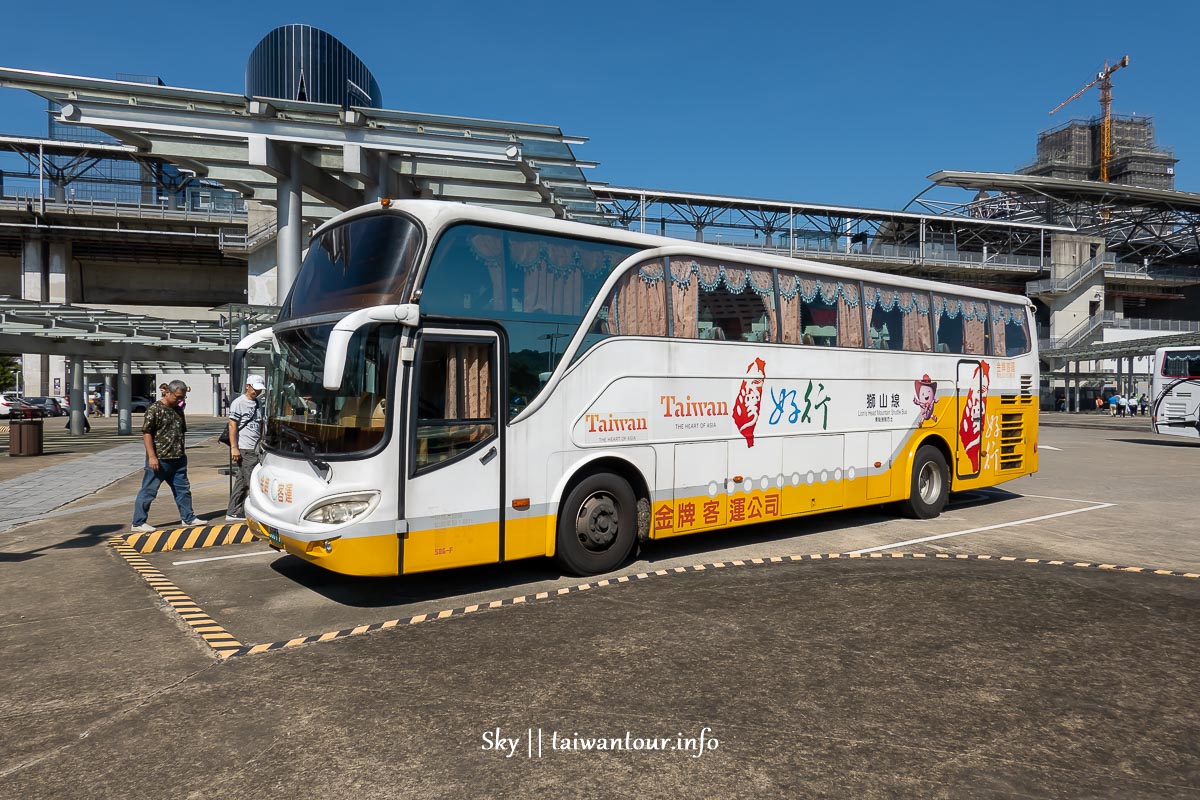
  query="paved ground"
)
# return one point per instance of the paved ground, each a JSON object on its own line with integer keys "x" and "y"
{"x": 882, "y": 678}
{"x": 75, "y": 466}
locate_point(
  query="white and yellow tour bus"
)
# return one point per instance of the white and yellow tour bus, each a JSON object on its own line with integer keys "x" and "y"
{"x": 1175, "y": 392}
{"x": 452, "y": 385}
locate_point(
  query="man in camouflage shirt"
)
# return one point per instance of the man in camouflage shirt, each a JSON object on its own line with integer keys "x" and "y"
{"x": 163, "y": 431}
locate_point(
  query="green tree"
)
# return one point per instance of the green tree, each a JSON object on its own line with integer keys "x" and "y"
{"x": 8, "y": 373}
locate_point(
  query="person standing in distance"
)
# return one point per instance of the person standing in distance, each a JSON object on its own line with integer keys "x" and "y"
{"x": 245, "y": 432}
{"x": 163, "y": 431}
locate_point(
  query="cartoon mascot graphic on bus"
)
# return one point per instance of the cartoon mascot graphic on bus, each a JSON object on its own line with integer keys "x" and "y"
{"x": 926, "y": 396}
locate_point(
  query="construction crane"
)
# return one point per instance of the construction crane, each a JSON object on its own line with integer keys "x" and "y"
{"x": 1104, "y": 78}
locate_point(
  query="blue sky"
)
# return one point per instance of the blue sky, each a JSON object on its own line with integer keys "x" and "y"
{"x": 852, "y": 103}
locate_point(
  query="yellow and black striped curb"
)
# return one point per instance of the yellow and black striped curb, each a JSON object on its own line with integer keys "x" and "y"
{"x": 582, "y": 587}
{"x": 189, "y": 538}
{"x": 216, "y": 637}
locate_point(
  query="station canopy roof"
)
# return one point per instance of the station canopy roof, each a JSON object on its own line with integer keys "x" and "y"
{"x": 1070, "y": 190}
{"x": 98, "y": 335}
{"x": 348, "y": 157}
{"x": 1131, "y": 348}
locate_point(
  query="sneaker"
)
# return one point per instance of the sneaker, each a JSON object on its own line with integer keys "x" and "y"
{"x": 234, "y": 518}
{"x": 194, "y": 521}
{"x": 143, "y": 528}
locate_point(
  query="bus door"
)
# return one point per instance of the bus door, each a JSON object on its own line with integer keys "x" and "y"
{"x": 453, "y": 490}
{"x": 968, "y": 447}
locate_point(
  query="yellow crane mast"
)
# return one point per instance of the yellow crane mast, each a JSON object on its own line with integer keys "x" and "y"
{"x": 1104, "y": 79}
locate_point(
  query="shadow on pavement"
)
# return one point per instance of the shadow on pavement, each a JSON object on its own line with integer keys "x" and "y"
{"x": 1161, "y": 442}
{"x": 385, "y": 592}
{"x": 88, "y": 537}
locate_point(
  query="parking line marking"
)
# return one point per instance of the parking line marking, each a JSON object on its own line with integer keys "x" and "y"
{"x": 223, "y": 643}
{"x": 1003, "y": 493}
{"x": 997, "y": 526}
{"x": 418, "y": 619}
{"x": 222, "y": 558}
{"x": 1048, "y": 447}
{"x": 208, "y": 535}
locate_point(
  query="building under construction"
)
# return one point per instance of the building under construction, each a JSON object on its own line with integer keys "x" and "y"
{"x": 1073, "y": 151}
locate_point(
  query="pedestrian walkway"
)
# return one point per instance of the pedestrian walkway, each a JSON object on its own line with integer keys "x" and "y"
{"x": 39, "y": 491}
{"x": 1062, "y": 419}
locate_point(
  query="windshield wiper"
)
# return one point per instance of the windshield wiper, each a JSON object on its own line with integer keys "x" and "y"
{"x": 305, "y": 443}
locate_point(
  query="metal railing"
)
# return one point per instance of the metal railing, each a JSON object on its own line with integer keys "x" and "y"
{"x": 250, "y": 240}
{"x": 1073, "y": 278}
{"x": 1109, "y": 319}
{"x": 112, "y": 208}
{"x": 897, "y": 253}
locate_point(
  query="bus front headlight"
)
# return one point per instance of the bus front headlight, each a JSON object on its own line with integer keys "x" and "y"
{"x": 337, "y": 510}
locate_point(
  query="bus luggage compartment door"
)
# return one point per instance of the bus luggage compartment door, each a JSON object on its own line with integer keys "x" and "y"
{"x": 700, "y": 473}
{"x": 813, "y": 476}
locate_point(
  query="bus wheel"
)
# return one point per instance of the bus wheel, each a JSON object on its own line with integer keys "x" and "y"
{"x": 930, "y": 484}
{"x": 597, "y": 525}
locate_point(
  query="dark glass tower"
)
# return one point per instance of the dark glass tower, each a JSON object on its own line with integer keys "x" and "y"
{"x": 300, "y": 62}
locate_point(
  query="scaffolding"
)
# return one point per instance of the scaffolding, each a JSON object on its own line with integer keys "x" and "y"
{"x": 1072, "y": 151}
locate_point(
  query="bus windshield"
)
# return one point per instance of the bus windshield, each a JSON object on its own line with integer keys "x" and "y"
{"x": 307, "y": 419}
{"x": 364, "y": 262}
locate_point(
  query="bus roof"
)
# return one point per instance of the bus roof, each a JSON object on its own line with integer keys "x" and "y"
{"x": 440, "y": 213}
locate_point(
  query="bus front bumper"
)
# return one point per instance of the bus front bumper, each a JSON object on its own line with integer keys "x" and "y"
{"x": 367, "y": 556}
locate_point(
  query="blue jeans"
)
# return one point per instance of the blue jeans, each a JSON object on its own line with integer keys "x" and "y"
{"x": 173, "y": 472}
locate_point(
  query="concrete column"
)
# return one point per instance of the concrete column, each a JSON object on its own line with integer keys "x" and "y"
{"x": 1132, "y": 377}
{"x": 34, "y": 367}
{"x": 108, "y": 395}
{"x": 58, "y": 291}
{"x": 124, "y": 390}
{"x": 288, "y": 242}
{"x": 1072, "y": 385}
{"x": 78, "y": 396}
{"x": 33, "y": 270}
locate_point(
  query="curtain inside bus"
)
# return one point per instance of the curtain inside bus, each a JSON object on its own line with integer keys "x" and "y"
{"x": 536, "y": 286}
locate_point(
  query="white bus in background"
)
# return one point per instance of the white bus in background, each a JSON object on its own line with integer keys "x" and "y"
{"x": 452, "y": 385}
{"x": 1175, "y": 408}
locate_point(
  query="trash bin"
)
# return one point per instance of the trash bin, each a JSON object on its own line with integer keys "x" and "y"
{"x": 24, "y": 437}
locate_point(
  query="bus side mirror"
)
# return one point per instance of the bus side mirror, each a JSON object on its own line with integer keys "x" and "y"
{"x": 407, "y": 314}
{"x": 237, "y": 369}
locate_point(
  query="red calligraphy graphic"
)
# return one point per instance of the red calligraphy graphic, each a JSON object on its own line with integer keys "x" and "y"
{"x": 687, "y": 514}
{"x": 756, "y": 507}
{"x": 663, "y": 518}
{"x": 749, "y": 399}
{"x": 737, "y": 509}
{"x": 970, "y": 424}
{"x": 771, "y": 508}
{"x": 712, "y": 512}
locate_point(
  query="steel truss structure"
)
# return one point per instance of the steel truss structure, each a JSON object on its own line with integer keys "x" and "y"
{"x": 1141, "y": 225}
{"x": 946, "y": 245}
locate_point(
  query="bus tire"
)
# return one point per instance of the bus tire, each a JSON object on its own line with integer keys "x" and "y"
{"x": 597, "y": 525}
{"x": 930, "y": 484}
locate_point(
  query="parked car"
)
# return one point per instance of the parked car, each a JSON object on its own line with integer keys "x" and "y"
{"x": 19, "y": 408}
{"x": 50, "y": 405}
{"x": 140, "y": 404}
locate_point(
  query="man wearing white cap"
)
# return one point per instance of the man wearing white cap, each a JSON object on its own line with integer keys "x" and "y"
{"x": 245, "y": 431}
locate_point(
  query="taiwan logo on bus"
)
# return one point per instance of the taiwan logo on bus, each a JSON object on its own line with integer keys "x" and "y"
{"x": 749, "y": 400}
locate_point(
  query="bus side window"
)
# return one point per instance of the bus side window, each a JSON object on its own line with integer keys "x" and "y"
{"x": 455, "y": 401}
{"x": 722, "y": 302}
{"x": 822, "y": 312}
{"x": 1008, "y": 330}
